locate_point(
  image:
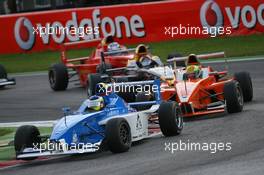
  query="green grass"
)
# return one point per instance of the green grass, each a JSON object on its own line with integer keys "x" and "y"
{"x": 7, "y": 136}
{"x": 233, "y": 46}
{"x": 5, "y": 131}
{"x": 7, "y": 153}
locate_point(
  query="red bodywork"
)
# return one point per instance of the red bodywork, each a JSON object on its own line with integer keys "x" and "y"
{"x": 198, "y": 96}
{"x": 86, "y": 65}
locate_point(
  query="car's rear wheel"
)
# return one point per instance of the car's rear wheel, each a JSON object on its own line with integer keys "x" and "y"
{"x": 118, "y": 135}
{"x": 93, "y": 80}
{"x": 3, "y": 73}
{"x": 26, "y": 136}
{"x": 245, "y": 82}
{"x": 170, "y": 119}
{"x": 233, "y": 97}
{"x": 174, "y": 55}
{"x": 58, "y": 77}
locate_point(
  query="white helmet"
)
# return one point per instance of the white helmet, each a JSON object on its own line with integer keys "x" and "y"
{"x": 114, "y": 46}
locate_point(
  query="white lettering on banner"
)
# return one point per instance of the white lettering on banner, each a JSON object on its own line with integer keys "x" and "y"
{"x": 248, "y": 15}
{"x": 214, "y": 7}
{"x": 49, "y": 31}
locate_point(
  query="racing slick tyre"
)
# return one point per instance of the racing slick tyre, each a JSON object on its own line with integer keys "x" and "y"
{"x": 170, "y": 119}
{"x": 3, "y": 74}
{"x": 118, "y": 135}
{"x": 179, "y": 63}
{"x": 26, "y": 137}
{"x": 101, "y": 68}
{"x": 58, "y": 77}
{"x": 233, "y": 96}
{"x": 245, "y": 82}
{"x": 143, "y": 97}
{"x": 93, "y": 80}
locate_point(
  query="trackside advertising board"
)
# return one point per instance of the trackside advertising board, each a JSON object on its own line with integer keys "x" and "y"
{"x": 133, "y": 23}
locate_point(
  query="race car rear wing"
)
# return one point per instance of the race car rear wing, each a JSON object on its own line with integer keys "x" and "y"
{"x": 72, "y": 45}
{"x": 201, "y": 56}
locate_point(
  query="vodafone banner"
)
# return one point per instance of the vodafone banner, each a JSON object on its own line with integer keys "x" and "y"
{"x": 133, "y": 23}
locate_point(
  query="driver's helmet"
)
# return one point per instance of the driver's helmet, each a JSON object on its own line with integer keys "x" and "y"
{"x": 101, "y": 89}
{"x": 95, "y": 103}
{"x": 114, "y": 46}
{"x": 192, "y": 60}
{"x": 193, "y": 71}
{"x": 141, "y": 51}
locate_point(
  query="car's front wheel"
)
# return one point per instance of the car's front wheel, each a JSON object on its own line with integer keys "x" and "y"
{"x": 26, "y": 136}
{"x": 233, "y": 97}
{"x": 245, "y": 82}
{"x": 170, "y": 119}
{"x": 58, "y": 77}
{"x": 3, "y": 73}
{"x": 118, "y": 135}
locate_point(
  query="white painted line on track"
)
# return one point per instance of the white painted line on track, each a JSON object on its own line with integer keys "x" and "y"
{"x": 48, "y": 123}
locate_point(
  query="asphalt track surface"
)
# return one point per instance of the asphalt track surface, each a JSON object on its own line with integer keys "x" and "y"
{"x": 32, "y": 99}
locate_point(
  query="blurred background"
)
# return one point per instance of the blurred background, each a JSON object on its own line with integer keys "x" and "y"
{"x": 18, "y": 6}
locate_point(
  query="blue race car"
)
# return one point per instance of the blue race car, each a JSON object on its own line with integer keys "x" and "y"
{"x": 102, "y": 122}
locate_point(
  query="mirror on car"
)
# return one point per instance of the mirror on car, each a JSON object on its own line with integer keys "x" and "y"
{"x": 66, "y": 111}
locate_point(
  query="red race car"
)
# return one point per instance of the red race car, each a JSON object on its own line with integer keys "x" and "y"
{"x": 199, "y": 90}
{"x": 60, "y": 74}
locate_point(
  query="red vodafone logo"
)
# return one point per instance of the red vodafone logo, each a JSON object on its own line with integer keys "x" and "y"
{"x": 211, "y": 15}
{"x": 23, "y": 32}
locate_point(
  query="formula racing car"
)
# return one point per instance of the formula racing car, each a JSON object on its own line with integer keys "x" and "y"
{"x": 61, "y": 74}
{"x": 102, "y": 121}
{"x": 200, "y": 90}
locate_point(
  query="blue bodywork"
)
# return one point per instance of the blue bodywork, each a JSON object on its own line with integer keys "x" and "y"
{"x": 83, "y": 126}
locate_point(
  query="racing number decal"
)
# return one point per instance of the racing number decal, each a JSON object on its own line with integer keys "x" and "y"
{"x": 139, "y": 123}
